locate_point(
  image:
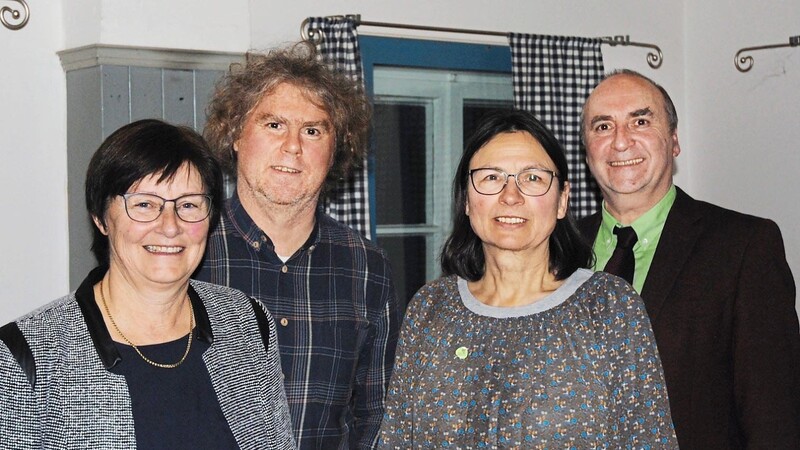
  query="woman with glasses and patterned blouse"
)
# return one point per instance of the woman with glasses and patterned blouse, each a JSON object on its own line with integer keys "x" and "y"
{"x": 140, "y": 356}
{"x": 518, "y": 345}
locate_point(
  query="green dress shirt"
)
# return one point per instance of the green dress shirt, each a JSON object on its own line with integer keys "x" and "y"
{"x": 648, "y": 228}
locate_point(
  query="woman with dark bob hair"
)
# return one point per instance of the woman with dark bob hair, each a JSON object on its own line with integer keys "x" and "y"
{"x": 140, "y": 356}
{"x": 518, "y": 345}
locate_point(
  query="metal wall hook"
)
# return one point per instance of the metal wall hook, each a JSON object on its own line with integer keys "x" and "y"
{"x": 314, "y": 36}
{"x": 16, "y": 15}
{"x": 745, "y": 63}
{"x": 654, "y": 58}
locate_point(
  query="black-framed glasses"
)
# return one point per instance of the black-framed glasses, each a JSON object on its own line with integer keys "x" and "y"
{"x": 531, "y": 182}
{"x": 148, "y": 207}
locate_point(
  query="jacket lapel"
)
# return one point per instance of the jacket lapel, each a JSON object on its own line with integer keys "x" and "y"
{"x": 589, "y": 226}
{"x": 681, "y": 230}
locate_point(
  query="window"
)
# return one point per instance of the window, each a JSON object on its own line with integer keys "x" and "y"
{"x": 427, "y": 96}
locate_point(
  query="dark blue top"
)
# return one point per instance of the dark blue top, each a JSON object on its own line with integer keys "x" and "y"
{"x": 173, "y": 408}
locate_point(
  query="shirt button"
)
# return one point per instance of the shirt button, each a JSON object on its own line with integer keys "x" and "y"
{"x": 311, "y": 249}
{"x": 284, "y": 321}
{"x": 284, "y": 269}
{"x": 256, "y": 245}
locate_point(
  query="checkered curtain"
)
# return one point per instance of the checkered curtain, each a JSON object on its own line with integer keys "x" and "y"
{"x": 349, "y": 202}
{"x": 553, "y": 76}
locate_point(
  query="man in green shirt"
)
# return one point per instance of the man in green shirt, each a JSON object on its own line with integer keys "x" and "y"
{"x": 716, "y": 284}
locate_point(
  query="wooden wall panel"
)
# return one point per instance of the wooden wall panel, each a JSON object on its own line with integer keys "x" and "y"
{"x": 147, "y": 100}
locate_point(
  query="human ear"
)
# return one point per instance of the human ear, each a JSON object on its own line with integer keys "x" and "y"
{"x": 100, "y": 225}
{"x": 676, "y": 146}
{"x": 563, "y": 201}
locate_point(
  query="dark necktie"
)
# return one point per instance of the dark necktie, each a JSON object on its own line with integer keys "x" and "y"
{"x": 622, "y": 262}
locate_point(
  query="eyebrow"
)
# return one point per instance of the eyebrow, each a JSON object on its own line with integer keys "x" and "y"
{"x": 646, "y": 111}
{"x": 599, "y": 118}
{"x": 269, "y": 117}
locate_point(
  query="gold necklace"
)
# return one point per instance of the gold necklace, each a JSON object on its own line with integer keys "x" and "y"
{"x": 145, "y": 358}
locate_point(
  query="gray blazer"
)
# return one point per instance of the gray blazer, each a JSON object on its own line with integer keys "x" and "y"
{"x": 56, "y": 390}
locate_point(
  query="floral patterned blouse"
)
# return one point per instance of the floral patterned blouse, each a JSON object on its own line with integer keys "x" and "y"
{"x": 578, "y": 369}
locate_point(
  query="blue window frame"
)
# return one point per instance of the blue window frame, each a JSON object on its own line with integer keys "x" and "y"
{"x": 425, "y": 54}
{"x": 423, "y": 113}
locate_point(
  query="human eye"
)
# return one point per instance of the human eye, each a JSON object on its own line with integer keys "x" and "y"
{"x": 491, "y": 176}
{"x": 270, "y": 122}
{"x": 314, "y": 132}
{"x": 488, "y": 175}
{"x": 530, "y": 176}
{"x": 188, "y": 204}
{"x": 602, "y": 128}
{"x": 488, "y": 181}
{"x": 192, "y": 202}
{"x": 143, "y": 202}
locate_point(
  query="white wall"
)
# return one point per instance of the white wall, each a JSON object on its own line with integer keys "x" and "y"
{"x": 726, "y": 117}
{"x": 186, "y": 24}
{"x": 744, "y": 128}
{"x": 33, "y": 178}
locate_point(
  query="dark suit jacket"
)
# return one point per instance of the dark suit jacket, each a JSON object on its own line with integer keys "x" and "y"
{"x": 720, "y": 297}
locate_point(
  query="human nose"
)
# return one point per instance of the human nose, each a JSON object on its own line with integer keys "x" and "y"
{"x": 511, "y": 193}
{"x": 622, "y": 139}
{"x": 293, "y": 144}
{"x": 169, "y": 218}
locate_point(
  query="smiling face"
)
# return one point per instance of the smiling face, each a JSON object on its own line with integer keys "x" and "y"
{"x": 629, "y": 146}
{"x": 511, "y": 221}
{"x": 164, "y": 251}
{"x": 285, "y": 150}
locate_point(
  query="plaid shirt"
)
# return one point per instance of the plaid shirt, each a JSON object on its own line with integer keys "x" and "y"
{"x": 337, "y": 316}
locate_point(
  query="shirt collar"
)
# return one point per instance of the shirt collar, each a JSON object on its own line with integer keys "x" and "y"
{"x": 255, "y": 236}
{"x": 648, "y": 226}
{"x": 98, "y": 331}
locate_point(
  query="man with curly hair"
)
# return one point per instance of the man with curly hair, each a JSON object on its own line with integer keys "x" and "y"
{"x": 289, "y": 128}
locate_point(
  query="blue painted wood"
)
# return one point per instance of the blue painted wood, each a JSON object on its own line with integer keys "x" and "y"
{"x": 115, "y": 98}
{"x": 386, "y": 51}
{"x": 204, "y": 83}
{"x": 146, "y": 93}
{"x": 101, "y": 99}
{"x": 179, "y": 105}
{"x": 84, "y": 134}
{"x": 419, "y": 53}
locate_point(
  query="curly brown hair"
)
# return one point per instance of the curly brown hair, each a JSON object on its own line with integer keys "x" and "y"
{"x": 243, "y": 87}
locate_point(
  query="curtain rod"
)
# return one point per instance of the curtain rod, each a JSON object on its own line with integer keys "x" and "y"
{"x": 654, "y": 58}
{"x": 745, "y": 63}
{"x": 15, "y": 15}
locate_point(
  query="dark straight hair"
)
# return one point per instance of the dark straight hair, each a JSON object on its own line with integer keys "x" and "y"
{"x": 138, "y": 150}
{"x": 462, "y": 253}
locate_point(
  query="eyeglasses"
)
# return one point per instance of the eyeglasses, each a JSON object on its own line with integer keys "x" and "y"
{"x": 148, "y": 207}
{"x": 531, "y": 182}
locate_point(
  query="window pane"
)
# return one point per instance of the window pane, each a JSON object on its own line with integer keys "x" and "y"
{"x": 400, "y": 168}
{"x": 407, "y": 255}
{"x": 474, "y": 110}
